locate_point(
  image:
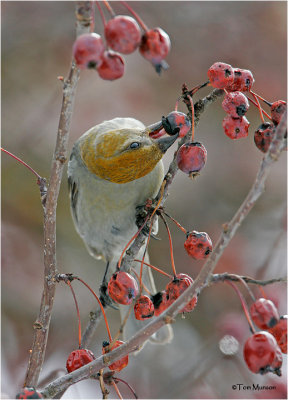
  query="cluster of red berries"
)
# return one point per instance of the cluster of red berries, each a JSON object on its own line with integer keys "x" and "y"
{"x": 123, "y": 36}
{"x": 235, "y": 81}
{"x": 262, "y": 351}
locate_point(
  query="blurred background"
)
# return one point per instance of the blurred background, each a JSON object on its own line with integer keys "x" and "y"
{"x": 37, "y": 38}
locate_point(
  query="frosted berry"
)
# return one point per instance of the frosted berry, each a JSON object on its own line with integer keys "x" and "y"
{"x": 260, "y": 353}
{"x": 176, "y": 287}
{"x": 87, "y": 50}
{"x": 119, "y": 364}
{"x": 279, "y": 331}
{"x": 235, "y": 104}
{"x": 160, "y": 302}
{"x": 278, "y": 108}
{"x": 111, "y": 66}
{"x": 122, "y": 34}
{"x": 198, "y": 245}
{"x": 264, "y": 313}
{"x": 220, "y": 75}
{"x": 122, "y": 288}
{"x": 155, "y": 46}
{"x": 176, "y": 122}
{"x": 243, "y": 80}
{"x": 235, "y": 128}
{"x": 28, "y": 393}
{"x": 78, "y": 358}
{"x": 263, "y": 136}
{"x": 143, "y": 308}
{"x": 191, "y": 158}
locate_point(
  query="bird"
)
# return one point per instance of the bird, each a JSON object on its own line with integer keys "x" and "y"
{"x": 114, "y": 168}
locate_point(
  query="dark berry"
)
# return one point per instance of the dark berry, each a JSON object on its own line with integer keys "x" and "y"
{"x": 263, "y": 136}
{"x": 243, "y": 80}
{"x": 122, "y": 34}
{"x": 264, "y": 313}
{"x": 235, "y": 104}
{"x": 176, "y": 122}
{"x": 198, "y": 245}
{"x": 176, "y": 287}
{"x": 235, "y": 128}
{"x": 191, "y": 158}
{"x": 111, "y": 66}
{"x": 78, "y": 358}
{"x": 119, "y": 364}
{"x": 260, "y": 353}
{"x": 87, "y": 50}
{"x": 279, "y": 331}
{"x": 220, "y": 75}
{"x": 29, "y": 393}
{"x": 160, "y": 302}
{"x": 278, "y": 108}
{"x": 155, "y": 46}
{"x": 143, "y": 308}
{"x": 122, "y": 288}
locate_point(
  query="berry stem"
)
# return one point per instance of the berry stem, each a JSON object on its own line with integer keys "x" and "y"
{"x": 177, "y": 223}
{"x": 78, "y": 312}
{"x": 139, "y": 20}
{"x": 244, "y": 284}
{"x": 244, "y": 305}
{"x": 255, "y": 104}
{"x": 155, "y": 268}
{"x": 109, "y": 8}
{"x": 142, "y": 284}
{"x": 116, "y": 389}
{"x": 262, "y": 292}
{"x": 116, "y": 379}
{"x": 130, "y": 241}
{"x": 144, "y": 253}
{"x": 100, "y": 304}
{"x": 170, "y": 244}
{"x": 92, "y": 24}
{"x": 192, "y": 117}
{"x": 101, "y": 13}
{"x": 22, "y": 162}
{"x": 261, "y": 98}
{"x": 259, "y": 107}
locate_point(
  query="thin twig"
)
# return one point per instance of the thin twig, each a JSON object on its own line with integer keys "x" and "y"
{"x": 232, "y": 277}
{"x": 41, "y": 326}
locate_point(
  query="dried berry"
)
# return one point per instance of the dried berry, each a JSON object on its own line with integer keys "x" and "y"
{"x": 143, "y": 308}
{"x": 78, "y": 358}
{"x": 235, "y": 104}
{"x": 29, "y": 393}
{"x": 155, "y": 46}
{"x": 119, "y": 364}
{"x": 198, "y": 245}
{"x": 263, "y": 136}
{"x": 176, "y": 122}
{"x": 122, "y": 288}
{"x": 122, "y": 34}
{"x": 279, "y": 331}
{"x": 111, "y": 66}
{"x": 87, "y": 50}
{"x": 221, "y": 75}
{"x": 264, "y": 313}
{"x": 176, "y": 287}
{"x": 243, "y": 80}
{"x": 160, "y": 302}
{"x": 235, "y": 128}
{"x": 191, "y": 158}
{"x": 278, "y": 108}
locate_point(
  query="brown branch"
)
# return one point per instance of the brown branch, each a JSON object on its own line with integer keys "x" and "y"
{"x": 277, "y": 145}
{"x": 215, "y": 278}
{"x": 41, "y": 325}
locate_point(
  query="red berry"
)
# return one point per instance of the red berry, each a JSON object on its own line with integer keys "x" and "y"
{"x": 78, "y": 358}
{"x": 198, "y": 245}
{"x": 263, "y": 136}
{"x": 260, "y": 353}
{"x": 277, "y": 362}
{"x": 235, "y": 128}
{"x": 235, "y": 104}
{"x": 143, "y": 308}
{"x": 87, "y": 50}
{"x": 264, "y": 313}
{"x": 277, "y": 110}
{"x": 176, "y": 287}
{"x": 279, "y": 331}
{"x": 122, "y": 288}
{"x": 119, "y": 364}
{"x": 122, "y": 34}
{"x": 160, "y": 302}
{"x": 176, "y": 122}
{"x": 111, "y": 66}
{"x": 243, "y": 80}
{"x": 191, "y": 158}
{"x": 29, "y": 393}
{"x": 155, "y": 46}
{"x": 220, "y": 75}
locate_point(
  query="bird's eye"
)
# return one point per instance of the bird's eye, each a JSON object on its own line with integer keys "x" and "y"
{"x": 134, "y": 145}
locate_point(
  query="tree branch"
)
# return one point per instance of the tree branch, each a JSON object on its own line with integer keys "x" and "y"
{"x": 41, "y": 325}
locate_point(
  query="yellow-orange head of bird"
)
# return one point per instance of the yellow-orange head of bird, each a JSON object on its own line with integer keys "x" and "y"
{"x": 122, "y": 155}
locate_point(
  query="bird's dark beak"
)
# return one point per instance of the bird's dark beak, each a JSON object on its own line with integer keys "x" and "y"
{"x": 165, "y": 142}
